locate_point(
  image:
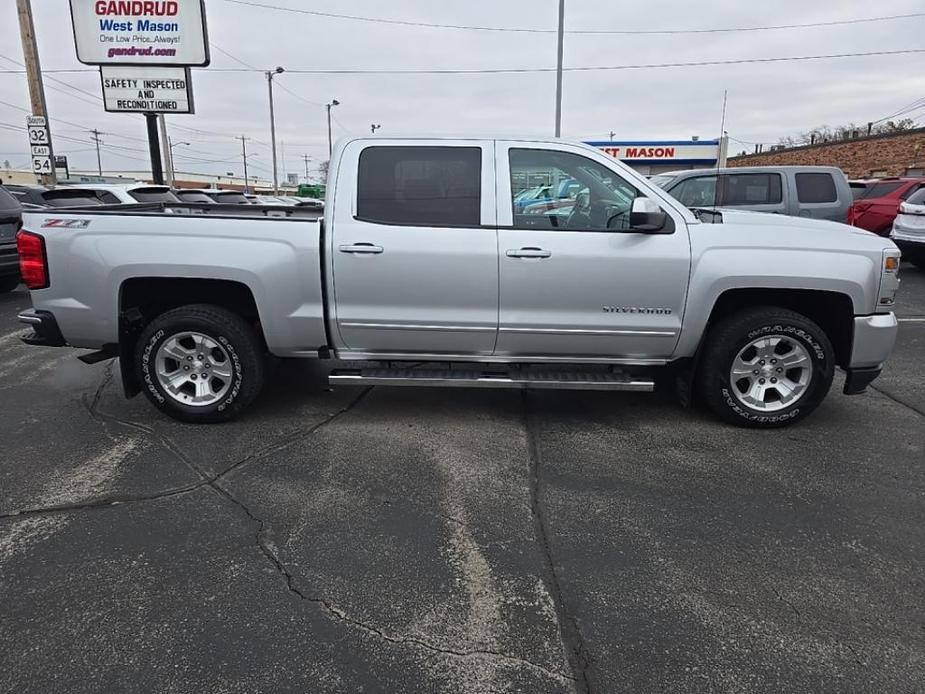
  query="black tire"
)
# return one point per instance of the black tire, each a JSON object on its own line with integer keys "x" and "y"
{"x": 8, "y": 284}
{"x": 238, "y": 339}
{"x": 733, "y": 334}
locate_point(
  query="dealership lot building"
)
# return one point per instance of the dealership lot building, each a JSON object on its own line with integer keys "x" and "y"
{"x": 650, "y": 157}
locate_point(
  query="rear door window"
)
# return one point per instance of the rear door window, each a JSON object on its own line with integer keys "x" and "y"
{"x": 878, "y": 190}
{"x": 751, "y": 189}
{"x": 816, "y": 187}
{"x": 420, "y": 186}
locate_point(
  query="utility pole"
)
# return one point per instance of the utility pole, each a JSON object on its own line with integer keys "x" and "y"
{"x": 30, "y": 53}
{"x": 270, "y": 76}
{"x": 559, "y": 69}
{"x": 99, "y": 162}
{"x": 612, "y": 135}
{"x": 244, "y": 157}
{"x": 305, "y": 158}
{"x": 167, "y": 149}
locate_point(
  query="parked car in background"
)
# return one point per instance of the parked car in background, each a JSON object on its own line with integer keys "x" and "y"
{"x": 545, "y": 198}
{"x": 225, "y": 197}
{"x": 123, "y": 194}
{"x": 876, "y": 209}
{"x": 271, "y": 200}
{"x": 40, "y": 196}
{"x": 909, "y": 228}
{"x": 184, "y": 195}
{"x": 818, "y": 192}
{"x": 10, "y": 223}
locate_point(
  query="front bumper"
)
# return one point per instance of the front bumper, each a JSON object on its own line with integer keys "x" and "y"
{"x": 45, "y": 330}
{"x": 874, "y": 339}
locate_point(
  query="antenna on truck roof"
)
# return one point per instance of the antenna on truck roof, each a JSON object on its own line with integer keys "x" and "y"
{"x": 719, "y": 149}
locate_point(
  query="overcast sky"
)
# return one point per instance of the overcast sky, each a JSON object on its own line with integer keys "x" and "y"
{"x": 766, "y": 101}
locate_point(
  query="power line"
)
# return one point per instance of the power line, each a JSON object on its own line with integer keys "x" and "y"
{"x": 605, "y": 32}
{"x": 589, "y": 68}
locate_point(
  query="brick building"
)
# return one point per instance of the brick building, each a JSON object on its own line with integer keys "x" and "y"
{"x": 896, "y": 154}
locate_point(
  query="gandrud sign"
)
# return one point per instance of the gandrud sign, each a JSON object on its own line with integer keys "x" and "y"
{"x": 141, "y": 32}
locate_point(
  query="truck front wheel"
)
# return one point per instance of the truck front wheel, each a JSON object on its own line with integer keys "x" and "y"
{"x": 765, "y": 367}
{"x": 200, "y": 363}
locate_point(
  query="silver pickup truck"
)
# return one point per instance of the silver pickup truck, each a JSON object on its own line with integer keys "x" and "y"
{"x": 423, "y": 272}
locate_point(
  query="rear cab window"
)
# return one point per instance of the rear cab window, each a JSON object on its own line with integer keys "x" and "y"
{"x": 420, "y": 186}
{"x": 816, "y": 187}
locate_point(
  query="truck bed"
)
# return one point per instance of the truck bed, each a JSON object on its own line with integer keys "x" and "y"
{"x": 273, "y": 253}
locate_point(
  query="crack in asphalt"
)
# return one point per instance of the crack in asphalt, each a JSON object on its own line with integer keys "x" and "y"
{"x": 269, "y": 552}
{"x": 579, "y": 658}
{"x": 205, "y": 479}
{"x": 898, "y": 400}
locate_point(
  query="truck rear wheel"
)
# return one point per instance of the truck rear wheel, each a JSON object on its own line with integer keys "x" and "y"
{"x": 766, "y": 367}
{"x": 200, "y": 363}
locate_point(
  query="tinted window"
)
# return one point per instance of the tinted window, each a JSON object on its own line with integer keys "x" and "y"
{"x": 816, "y": 187}
{"x": 193, "y": 197}
{"x": 152, "y": 195}
{"x": 878, "y": 190}
{"x": 65, "y": 198}
{"x": 230, "y": 198}
{"x": 662, "y": 180}
{"x": 917, "y": 198}
{"x": 423, "y": 186}
{"x": 699, "y": 191}
{"x": 859, "y": 190}
{"x": 751, "y": 189}
{"x": 585, "y": 195}
{"x": 108, "y": 198}
{"x": 7, "y": 202}
{"x": 911, "y": 191}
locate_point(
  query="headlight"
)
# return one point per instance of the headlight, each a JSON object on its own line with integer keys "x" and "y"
{"x": 889, "y": 279}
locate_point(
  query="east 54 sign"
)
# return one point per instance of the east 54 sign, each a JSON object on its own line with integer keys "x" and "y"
{"x": 140, "y": 32}
{"x": 39, "y": 143}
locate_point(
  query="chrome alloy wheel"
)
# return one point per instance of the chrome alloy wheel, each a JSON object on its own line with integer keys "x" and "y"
{"x": 193, "y": 369}
{"x": 771, "y": 373}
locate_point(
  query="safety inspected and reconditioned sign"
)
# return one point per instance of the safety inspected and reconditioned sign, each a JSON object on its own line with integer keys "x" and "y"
{"x": 140, "y": 32}
{"x": 128, "y": 89}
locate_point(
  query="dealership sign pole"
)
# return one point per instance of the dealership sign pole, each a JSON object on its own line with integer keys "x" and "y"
{"x": 144, "y": 49}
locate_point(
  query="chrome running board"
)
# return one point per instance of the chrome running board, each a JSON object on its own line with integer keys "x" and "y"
{"x": 462, "y": 378}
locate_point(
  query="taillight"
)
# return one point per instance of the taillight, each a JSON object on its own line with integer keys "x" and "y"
{"x": 33, "y": 264}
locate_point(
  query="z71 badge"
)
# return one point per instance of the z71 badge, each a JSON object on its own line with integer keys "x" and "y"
{"x": 66, "y": 223}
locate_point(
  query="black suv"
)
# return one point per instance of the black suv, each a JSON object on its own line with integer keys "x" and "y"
{"x": 10, "y": 221}
{"x": 40, "y": 196}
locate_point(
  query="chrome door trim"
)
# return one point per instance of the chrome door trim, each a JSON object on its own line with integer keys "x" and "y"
{"x": 570, "y": 331}
{"x": 418, "y": 326}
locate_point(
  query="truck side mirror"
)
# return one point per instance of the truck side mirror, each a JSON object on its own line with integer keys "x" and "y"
{"x": 647, "y": 217}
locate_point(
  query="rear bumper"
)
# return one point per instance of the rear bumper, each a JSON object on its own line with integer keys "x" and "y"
{"x": 45, "y": 330}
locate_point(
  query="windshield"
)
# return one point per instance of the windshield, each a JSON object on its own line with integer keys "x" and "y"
{"x": 153, "y": 195}
{"x": 662, "y": 180}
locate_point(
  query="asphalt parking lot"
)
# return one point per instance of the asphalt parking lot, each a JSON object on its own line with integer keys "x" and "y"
{"x": 385, "y": 540}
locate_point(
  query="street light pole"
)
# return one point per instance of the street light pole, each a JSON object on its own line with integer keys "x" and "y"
{"x": 270, "y": 75}
{"x": 334, "y": 102}
{"x": 559, "y": 69}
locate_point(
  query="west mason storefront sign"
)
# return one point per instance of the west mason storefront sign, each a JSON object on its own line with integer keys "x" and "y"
{"x": 654, "y": 156}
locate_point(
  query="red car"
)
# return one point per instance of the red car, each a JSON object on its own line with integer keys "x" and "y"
{"x": 876, "y": 203}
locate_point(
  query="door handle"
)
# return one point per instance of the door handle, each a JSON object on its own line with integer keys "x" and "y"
{"x": 531, "y": 252}
{"x": 360, "y": 248}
